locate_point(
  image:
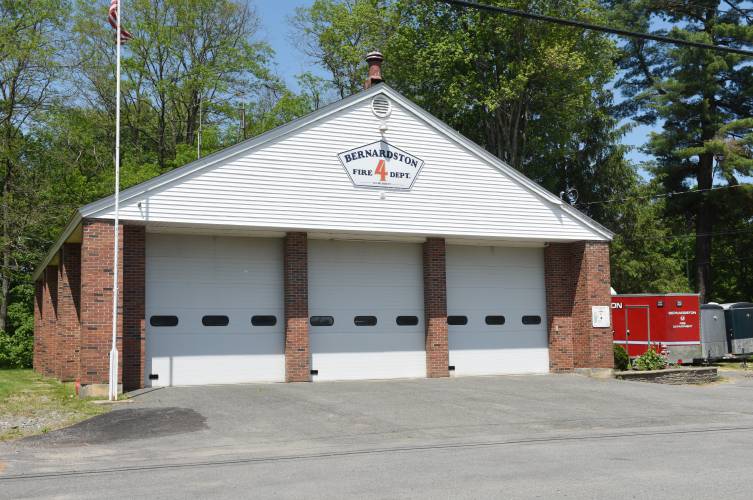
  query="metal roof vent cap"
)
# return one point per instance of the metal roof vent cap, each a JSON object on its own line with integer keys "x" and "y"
{"x": 381, "y": 106}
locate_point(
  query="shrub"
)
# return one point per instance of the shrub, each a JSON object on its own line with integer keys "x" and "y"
{"x": 17, "y": 342}
{"x": 621, "y": 358}
{"x": 16, "y": 350}
{"x": 650, "y": 360}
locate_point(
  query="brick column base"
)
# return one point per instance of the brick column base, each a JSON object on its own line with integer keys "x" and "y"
{"x": 297, "y": 351}
{"x": 435, "y": 308}
{"x": 576, "y": 278}
{"x": 69, "y": 324}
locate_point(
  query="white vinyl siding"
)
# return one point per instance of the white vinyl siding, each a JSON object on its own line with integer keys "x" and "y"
{"x": 496, "y": 281}
{"x": 196, "y": 276}
{"x": 384, "y": 280}
{"x": 297, "y": 182}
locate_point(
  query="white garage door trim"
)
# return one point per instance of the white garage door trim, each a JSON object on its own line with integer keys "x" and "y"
{"x": 190, "y": 276}
{"x": 497, "y": 281}
{"x": 383, "y": 280}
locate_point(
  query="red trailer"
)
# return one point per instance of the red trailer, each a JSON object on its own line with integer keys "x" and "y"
{"x": 669, "y": 321}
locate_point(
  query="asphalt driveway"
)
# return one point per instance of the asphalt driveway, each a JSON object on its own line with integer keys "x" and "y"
{"x": 528, "y": 436}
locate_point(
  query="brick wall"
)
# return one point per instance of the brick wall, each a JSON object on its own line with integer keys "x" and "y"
{"x": 67, "y": 336}
{"x": 134, "y": 307}
{"x": 50, "y": 360}
{"x": 39, "y": 325}
{"x": 96, "y": 304}
{"x": 73, "y": 308}
{"x": 297, "y": 351}
{"x": 435, "y": 307}
{"x": 576, "y": 278}
{"x": 96, "y": 301}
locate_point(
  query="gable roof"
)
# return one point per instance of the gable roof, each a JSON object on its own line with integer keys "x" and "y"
{"x": 99, "y": 207}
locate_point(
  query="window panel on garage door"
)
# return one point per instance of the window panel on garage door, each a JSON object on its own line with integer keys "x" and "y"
{"x": 485, "y": 284}
{"x": 214, "y": 285}
{"x": 369, "y": 284}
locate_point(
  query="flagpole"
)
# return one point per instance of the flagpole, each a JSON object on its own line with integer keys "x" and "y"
{"x": 113, "y": 389}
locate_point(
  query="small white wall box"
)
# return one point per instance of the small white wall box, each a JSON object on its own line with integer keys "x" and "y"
{"x": 600, "y": 316}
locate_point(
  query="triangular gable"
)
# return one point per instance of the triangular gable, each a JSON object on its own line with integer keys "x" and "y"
{"x": 292, "y": 178}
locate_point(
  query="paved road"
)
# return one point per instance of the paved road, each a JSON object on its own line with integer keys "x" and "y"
{"x": 512, "y": 437}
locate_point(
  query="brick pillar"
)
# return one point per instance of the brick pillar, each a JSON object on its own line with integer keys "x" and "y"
{"x": 69, "y": 300}
{"x": 39, "y": 324}
{"x": 96, "y": 302}
{"x": 297, "y": 352}
{"x": 134, "y": 288}
{"x": 50, "y": 359}
{"x": 435, "y": 308}
{"x": 577, "y": 278}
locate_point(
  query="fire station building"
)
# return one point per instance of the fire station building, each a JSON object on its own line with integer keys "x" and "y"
{"x": 367, "y": 240}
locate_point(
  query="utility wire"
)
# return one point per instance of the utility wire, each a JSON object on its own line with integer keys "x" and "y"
{"x": 694, "y": 235}
{"x": 596, "y": 27}
{"x": 663, "y": 195}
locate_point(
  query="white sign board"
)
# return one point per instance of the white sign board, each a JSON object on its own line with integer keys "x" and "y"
{"x": 600, "y": 317}
{"x": 381, "y": 165}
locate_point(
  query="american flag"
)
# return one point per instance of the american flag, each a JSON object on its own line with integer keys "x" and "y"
{"x": 113, "y": 18}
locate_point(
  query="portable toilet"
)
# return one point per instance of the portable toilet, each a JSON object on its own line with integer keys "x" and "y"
{"x": 739, "y": 319}
{"x": 713, "y": 331}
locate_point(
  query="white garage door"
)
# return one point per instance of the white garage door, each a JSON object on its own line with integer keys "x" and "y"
{"x": 496, "y": 306}
{"x": 366, "y": 307}
{"x": 214, "y": 309}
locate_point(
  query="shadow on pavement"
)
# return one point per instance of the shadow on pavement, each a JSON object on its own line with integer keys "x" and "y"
{"x": 123, "y": 425}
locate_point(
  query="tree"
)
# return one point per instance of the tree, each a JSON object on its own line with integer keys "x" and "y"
{"x": 703, "y": 101}
{"x": 30, "y": 43}
{"x": 189, "y": 59}
{"x": 337, "y": 35}
{"x": 645, "y": 255}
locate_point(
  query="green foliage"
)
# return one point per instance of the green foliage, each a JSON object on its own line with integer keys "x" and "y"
{"x": 17, "y": 349}
{"x": 191, "y": 65}
{"x": 645, "y": 258}
{"x": 17, "y": 344}
{"x": 534, "y": 94}
{"x": 650, "y": 360}
{"x": 31, "y": 43}
{"x": 621, "y": 358}
{"x": 338, "y": 34}
{"x": 702, "y": 100}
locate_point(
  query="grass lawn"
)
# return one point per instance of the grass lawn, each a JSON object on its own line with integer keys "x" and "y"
{"x": 31, "y": 404}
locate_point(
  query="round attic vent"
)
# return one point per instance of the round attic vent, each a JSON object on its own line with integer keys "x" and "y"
{"x": 381, "y": 106}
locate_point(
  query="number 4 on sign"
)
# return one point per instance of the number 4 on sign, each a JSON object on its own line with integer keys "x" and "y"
{"x": 381, "y": 170}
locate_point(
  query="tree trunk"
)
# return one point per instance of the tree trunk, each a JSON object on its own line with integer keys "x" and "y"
{"x": 5, "y": 273}
{"x": 704, "y": 227}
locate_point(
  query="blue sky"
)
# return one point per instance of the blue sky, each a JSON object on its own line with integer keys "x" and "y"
{"x": 290, "y": 61}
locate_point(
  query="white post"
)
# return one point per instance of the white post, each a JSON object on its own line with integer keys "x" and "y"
{"x": 113, "y": 389}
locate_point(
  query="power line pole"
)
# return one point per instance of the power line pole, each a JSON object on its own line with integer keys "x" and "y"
{"x": 242, "y": 131}
{"x": 198, "y": 134}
